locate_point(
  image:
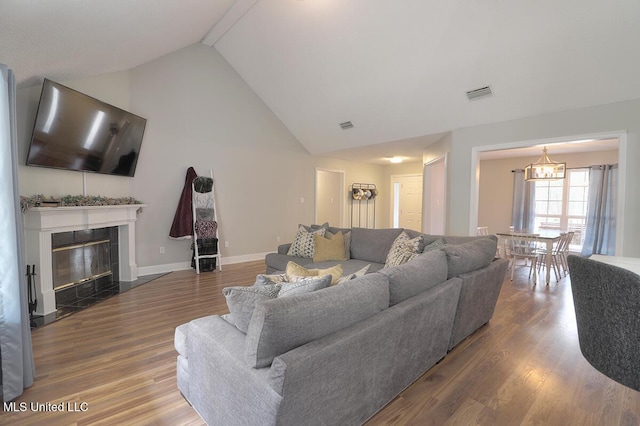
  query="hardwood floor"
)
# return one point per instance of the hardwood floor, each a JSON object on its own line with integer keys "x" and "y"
{"x": 524, "y": 367}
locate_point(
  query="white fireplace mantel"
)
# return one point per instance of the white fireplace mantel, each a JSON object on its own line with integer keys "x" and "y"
{"x": 41, "y": 222}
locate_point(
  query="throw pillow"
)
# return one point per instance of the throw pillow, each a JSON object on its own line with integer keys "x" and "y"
{"x": 295, "y": 270}
{"x": 314, "y": 227}
{"x": 437, "y": 244}
{"x": 242, "y": 300}
{"x": 356, "y": 274}
{"x": 264, "y": 279}
{"x": 303, "y": 245}
{"x": 404, "y": 249}
{"x": 304, "y": 285}
{"x": 328, "y": 248}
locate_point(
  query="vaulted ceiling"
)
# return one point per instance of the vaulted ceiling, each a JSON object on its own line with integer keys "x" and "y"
{"x": 398, "y": 70}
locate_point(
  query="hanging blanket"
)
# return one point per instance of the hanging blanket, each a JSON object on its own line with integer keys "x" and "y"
{"x": 182, "y": 226}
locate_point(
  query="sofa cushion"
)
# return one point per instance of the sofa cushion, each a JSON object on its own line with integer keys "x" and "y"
{"x": 416, "y": 275}
{"x": 328, "y": 247}
{"x": 404, "y": 249}
{"x": 295, "y": 270}
{"x": 469, "y": 256}
{"x": 242, "y": 300}
{"x": 279, "y": 325}
{"x": 304, "y": 244}
{"x": 372, "y": 245}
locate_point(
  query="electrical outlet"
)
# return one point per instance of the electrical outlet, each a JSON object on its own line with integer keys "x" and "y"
{"x": 301, "y": 200}
{"x": 277, "y": 239}
{"x": 161, "y": 250}
{"x": 226, "y": 243}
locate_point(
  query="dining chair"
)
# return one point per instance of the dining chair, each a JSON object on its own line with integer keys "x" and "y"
{"x": 558, "y": 255}
{"x": 521, "y": 249}
{"x": 483, "y": 230}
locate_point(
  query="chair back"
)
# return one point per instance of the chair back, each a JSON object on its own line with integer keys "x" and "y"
{"x": 607, "y": 306}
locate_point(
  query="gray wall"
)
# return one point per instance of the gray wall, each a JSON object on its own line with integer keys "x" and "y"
{"x": 201, "y": 114}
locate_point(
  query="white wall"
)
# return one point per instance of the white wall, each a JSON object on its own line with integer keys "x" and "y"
{"x": 579, "y": 122}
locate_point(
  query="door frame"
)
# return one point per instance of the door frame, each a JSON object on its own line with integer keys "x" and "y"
{"x": 621, "y": 135}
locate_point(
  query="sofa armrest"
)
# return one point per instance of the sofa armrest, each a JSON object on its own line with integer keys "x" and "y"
{"x": 284, "y": 248}
{"x": 221, "y": 383}
{"x": 478, "y": 298}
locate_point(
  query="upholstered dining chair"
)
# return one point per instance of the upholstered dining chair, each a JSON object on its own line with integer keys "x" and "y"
{"x": 607, "y": 306}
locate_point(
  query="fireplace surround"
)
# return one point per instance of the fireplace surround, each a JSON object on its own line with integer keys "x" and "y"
{"x": 41, "y": 223}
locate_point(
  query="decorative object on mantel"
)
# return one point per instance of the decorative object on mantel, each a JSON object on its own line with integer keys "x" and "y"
{"x": 74, "y": 200}
{"x": 363, "y": 193}
{"x": 545, "y": 169}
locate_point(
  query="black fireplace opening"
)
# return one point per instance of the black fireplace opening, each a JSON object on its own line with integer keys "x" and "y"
{"x": 85, "y": 268}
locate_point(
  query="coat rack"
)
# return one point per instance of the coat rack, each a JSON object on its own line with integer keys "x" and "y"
{"x": 363, "y": 205}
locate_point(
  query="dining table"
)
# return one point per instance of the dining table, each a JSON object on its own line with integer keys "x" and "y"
{"x": 545, "y": 237}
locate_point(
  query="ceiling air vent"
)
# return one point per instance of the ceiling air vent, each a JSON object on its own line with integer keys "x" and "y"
{"x": 483, "y": 92}
{"x": 346, "y": 125}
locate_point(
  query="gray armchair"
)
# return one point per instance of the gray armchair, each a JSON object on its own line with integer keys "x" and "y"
{"x": 607, "y": 305}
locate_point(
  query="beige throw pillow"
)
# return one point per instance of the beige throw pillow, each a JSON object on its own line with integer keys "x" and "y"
{"x": 295, "y": 270}
{"x": 329, "y": 248}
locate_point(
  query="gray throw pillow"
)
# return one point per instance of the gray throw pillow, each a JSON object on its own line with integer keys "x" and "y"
{"x": 437, "y": 244}
{"x": 470, "y": 256}
{"x": 242, "y": 300}
{"x": 304, "y": 285}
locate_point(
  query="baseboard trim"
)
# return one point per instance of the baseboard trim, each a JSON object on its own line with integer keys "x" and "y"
{"x": 183, "y": 266}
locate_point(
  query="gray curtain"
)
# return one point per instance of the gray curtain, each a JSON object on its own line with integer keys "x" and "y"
{"x": 600, "y": 231}
{"x": 16, "y": 356}
{"x": 524, "y": 203}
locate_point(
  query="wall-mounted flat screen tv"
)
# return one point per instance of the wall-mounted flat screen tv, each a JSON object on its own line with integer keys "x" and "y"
{"x": 74, "y": 131}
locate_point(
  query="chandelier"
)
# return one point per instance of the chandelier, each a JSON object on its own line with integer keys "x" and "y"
{"x": 545, "y": 169}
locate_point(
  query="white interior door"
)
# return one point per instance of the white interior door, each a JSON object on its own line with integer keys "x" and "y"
{"x": 407, "y": 201}
{"x": 330, "y": 196}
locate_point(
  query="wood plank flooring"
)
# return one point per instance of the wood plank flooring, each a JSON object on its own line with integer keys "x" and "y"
{"x": 524, "y": 367}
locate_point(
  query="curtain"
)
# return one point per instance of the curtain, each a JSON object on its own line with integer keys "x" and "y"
{"x": 524, "y": 201}
{"x": 600, "y": 231}
{"x": 16, "y": 356}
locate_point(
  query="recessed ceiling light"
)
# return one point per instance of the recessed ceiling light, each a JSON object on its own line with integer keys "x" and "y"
{"x": 396, "y": 159}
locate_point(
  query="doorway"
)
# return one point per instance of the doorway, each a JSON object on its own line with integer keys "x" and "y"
{"x": 406, "y": 200}
{"x": 619, "y": 136}
{"x": 330, "y": 196}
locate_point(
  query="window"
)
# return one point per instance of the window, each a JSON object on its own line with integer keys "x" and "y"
{"x": 562, "y": 205}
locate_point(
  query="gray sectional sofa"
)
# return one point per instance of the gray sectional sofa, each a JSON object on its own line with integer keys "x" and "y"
{"x": 338, "y": 355}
